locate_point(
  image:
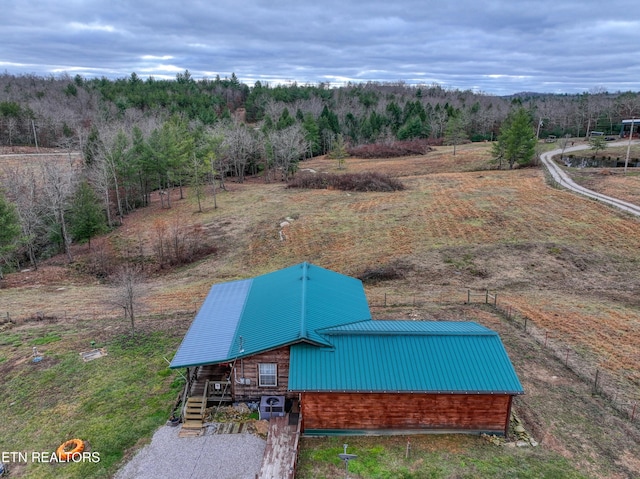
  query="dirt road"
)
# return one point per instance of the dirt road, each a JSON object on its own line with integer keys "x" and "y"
{"x": 563, "y": 179}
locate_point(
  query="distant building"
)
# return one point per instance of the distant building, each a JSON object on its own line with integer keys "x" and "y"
{"x": 628, "y": 125}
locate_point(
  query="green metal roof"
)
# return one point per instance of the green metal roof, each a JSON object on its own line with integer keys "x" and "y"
{"x": 405, "y": 356}
{"x": 245, "y": 317}
{"x": 409, "y": 327}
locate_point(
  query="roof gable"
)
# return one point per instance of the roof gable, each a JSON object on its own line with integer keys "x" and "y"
{"x": 245, "y": 317}
{"x": 406, "y": 356}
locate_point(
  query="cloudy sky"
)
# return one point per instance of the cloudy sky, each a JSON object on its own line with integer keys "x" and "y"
{"x": 494, "y": 46}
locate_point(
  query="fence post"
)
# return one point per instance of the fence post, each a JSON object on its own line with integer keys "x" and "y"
{"x": 468, "y": 296}
{"x": 525, "y": 324}
{"x": 633, "y": 411}
{"x": 495, "y": 300}
{"x": 486, "y": 297}
{"x": 595, "y": 382}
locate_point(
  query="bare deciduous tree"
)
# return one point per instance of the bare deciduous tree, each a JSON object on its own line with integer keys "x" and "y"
{"x": 239, "y": 144}
{"x": 58, "y": 186}
{"x": 22, "y": 187}
{"x": 128, "y": 292}
{"x": 287, "y": 147}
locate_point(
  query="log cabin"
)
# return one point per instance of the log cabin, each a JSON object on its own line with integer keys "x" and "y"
{"x": 305, "y": 334}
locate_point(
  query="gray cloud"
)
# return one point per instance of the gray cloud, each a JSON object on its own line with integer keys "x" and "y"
{"x": 496, "y": 46}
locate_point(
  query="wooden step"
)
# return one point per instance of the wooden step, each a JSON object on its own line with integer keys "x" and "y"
{"x": 194, "y": 432}
{"x": 193, "y": 413}
{"x": 187, "y": 424}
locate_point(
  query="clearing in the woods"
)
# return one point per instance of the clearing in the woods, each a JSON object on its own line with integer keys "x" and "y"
{"x": 565, "y": 264}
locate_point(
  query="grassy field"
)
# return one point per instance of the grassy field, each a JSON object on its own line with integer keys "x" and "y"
{"x": 568, "y": 263}
{"x": 111, "y": 402}
{"x": 428, "y": 457}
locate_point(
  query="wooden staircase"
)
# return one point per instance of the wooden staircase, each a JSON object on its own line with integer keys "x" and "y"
{"x": 194, "y": 412}
{"x": 204, "y": 386}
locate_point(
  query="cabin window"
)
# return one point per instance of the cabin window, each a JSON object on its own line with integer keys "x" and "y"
{"x": 267, "y": 374}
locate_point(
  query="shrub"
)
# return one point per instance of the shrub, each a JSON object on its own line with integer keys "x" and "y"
{"x": 366, "y": 181}
{"x": 392, "y": 150}
{"x": 394, "y": 270}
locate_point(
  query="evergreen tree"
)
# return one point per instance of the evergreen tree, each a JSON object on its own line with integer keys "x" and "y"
{"x": 394, "y": 114}
{"x": 598, "y": 144}
{"x": 312, "y": 133}
{"x": 9, "y": 229}
{"x": 339, "y": 151}
{"x": 454, "y": 132}
{"x": 87, "y": 218}
{"x": 332, "y": 119}
{"x": 413, "y": 128}
{"x": 285, "y": 120}
{"x": 517, "y": 140}
{"x": 92, "y": 146}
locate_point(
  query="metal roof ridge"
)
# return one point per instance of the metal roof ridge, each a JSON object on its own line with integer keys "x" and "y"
{"x": 369, "y": 332}
{"x": 303, "y": 302}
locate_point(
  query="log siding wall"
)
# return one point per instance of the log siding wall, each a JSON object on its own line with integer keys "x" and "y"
{"x": 252, "y": 391}
{"x": 370, "y": 411}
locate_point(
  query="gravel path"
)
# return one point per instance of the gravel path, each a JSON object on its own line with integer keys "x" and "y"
{"x": 563, "y": 179}
{"x": 210, "y": 456}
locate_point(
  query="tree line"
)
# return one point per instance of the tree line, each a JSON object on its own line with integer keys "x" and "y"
{"x": 59, "y": 111}
{"x": 137, "y": 137}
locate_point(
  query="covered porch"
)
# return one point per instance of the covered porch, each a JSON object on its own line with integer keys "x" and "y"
{"x": 206, "y": 386}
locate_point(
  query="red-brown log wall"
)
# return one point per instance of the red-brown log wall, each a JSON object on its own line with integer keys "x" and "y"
{"x": 253, "y": 390}
{"x": 473, "y": 412}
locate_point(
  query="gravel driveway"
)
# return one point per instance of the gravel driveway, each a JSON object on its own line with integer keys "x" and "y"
{"x": 210, "y": 456}
{"x": 563, "y": 179}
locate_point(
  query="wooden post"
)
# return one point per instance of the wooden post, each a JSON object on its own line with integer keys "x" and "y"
{"x": 633, "y": 411}
{"x": 546, "y": 338}
{"x": 385, "y": 300}
{"x": 35, "y": 135}
{"x": 468, "y": 296}
{"x": 486, "y": 297}
{"x": 495, "y": 300}
{"x": 595, "y": 382}
{"x": 525, "y": 324}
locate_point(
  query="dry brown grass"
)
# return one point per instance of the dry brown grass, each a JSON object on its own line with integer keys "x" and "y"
{"x": 568, "y": 262}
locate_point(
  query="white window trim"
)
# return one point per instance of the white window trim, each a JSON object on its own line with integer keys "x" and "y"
{"x": 269, "y": 375}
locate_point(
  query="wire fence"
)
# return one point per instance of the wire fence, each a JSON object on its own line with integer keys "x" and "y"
{"x": 601, "y": 382}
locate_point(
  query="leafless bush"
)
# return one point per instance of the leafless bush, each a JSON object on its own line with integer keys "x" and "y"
{"x": 392, "y": 150}
{"x": 388, "y": 272}
{"x": 366, "y": 181}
